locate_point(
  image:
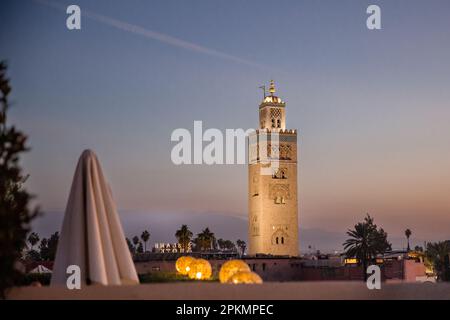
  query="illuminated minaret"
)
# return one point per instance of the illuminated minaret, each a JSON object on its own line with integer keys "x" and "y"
{"x": 272, "y": 196}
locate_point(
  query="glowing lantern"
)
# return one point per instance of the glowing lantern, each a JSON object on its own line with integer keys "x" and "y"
{"x": 183, "y": 264}
{"x": 351, "y": 261}
{"x": 231, "y": 267}
{"x": 200, "y": 269}
{"x": 245, "y": 277}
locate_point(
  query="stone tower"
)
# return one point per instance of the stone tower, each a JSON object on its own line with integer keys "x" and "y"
{"x": 272, "y": 182}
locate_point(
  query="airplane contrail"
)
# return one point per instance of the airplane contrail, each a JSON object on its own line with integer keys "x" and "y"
{"x": 161, "y": 37}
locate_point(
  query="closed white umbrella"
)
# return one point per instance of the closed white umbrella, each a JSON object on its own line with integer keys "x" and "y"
{"x": 92, "y": 236}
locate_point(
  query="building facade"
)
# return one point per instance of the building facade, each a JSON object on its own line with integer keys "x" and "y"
{"x": 272, "y": 182}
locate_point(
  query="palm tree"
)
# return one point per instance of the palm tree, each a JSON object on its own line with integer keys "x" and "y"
{"x": 184, "y": 236}
{"x": 140, "y": 248}
{"x": 206, "y": 239}
{"x": 221, "y": 243}
{"x": 135, "y": 241}
{"x": 241, "y": 245}
{"x": 438, "y": 253}
{"x": 408, "y": 234}
{"x": 366, "y": 241}
{"x": 33, "y": 239}
{"x": 145, "y": 236}
{"x": 226, "y": 245}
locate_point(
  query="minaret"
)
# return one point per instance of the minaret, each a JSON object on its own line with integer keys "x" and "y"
{"x": 272, "y": 198}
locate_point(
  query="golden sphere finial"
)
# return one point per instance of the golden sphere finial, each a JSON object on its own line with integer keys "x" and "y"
{"x": 272, "y": 87}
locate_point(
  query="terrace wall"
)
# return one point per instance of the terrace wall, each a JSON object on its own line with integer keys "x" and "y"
{"x": 291, "y": 269}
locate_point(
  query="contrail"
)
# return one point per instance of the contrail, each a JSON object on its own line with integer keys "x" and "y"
{"x": 161, "y": 37}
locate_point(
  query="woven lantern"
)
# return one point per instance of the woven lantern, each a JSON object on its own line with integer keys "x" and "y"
{"x": 245, "y": 277}
{"x": 183, "y": 264}
{"x": 200, "y": 269}
{"x": 231, "y": 267}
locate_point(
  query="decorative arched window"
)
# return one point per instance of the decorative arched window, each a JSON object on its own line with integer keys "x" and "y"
{"x": 280, "y": 173}
{"x": 275, "y": 116}
{"x": 280, "y": 200}
{"x": 279, "y": 193}
{"x": 279, "y": 236}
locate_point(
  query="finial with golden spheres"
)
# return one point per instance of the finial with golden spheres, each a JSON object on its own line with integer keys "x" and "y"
{"x": 272, "y": 88}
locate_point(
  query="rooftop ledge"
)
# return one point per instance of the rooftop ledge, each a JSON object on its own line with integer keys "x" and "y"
{"x": 277, "y": 104}
{"x": 283, "y": 131}
{"x": 337, "y": 290}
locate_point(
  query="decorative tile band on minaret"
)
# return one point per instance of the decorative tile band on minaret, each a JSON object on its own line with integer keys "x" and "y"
{"x": 273, "y": 205}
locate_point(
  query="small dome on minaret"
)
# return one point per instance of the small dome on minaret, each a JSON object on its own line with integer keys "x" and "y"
{"x": 272, "y": 98}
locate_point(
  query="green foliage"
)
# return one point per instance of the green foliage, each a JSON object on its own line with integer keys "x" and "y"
{"x": 15, "y": 216}
{"x": 160, "y": 276}
{"x": 438, "y": 253}
{"x": 226, "y": 245}
{"x": 145, "y": 236}
{"x": 48, "y": 247}
{"x": 408, "y": 234}
{"x": 33, "y": 239}
{"x": 366, "y": 242}
{"x": 241, "y": 245}
{"x": 136, "y": 246}
{"x": 140, "y": 248}
{"x": 205, "y": 240}
{"x": 184, "y": 236}
{"x": 33, "y": 255}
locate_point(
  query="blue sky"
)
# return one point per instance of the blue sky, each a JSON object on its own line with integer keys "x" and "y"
{"x": 371, "y": 106}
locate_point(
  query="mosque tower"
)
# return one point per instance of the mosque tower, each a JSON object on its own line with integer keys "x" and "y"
{"x": 272, "y": 182}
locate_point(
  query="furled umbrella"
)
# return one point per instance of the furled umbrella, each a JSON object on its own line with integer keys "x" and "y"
{"x": 92, "y": 237}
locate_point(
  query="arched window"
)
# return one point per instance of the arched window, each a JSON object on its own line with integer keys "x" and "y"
{"x": 276, "y": 240}
{"x": 279, "y": 200}
{"x": 273, "y": 123}
{"x": 282, "y": 240}
{"x": 278, "y": 123}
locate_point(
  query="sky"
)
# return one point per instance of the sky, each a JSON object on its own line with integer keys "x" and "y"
{"x": 371, "y": 106}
